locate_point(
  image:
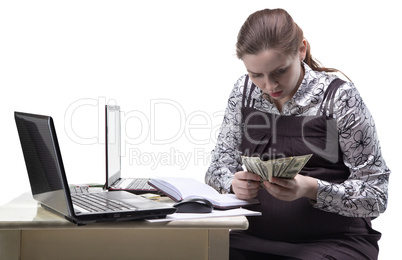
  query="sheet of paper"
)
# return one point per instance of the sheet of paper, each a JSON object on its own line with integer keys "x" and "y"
{"x": 213, "y": 214}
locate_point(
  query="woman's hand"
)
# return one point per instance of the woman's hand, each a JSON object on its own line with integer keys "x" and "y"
{"x": 246, "y": 185}
{"x": 293, "y": 189}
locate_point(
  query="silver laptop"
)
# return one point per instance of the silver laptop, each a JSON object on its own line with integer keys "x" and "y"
{"x": 50, "y": 187}
{"x": 114, "y": 181}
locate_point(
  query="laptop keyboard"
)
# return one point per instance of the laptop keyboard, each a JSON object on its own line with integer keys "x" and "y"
{"x": 139, "y": 184}
{"x": 94, "y": 202}
{"x": 79, "y": 190}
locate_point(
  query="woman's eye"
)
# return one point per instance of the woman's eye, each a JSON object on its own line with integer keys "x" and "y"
{"x": 255, "y": 75}
{"x": 280, "y": 72}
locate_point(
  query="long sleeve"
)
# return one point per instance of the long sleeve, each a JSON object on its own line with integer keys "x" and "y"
{"x": 364, "y": 193}
{"x": 226, "y": 158}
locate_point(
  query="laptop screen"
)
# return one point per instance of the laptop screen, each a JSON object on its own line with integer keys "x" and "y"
{"x": 113, "y": 139}
{"x": 43, "y": 160}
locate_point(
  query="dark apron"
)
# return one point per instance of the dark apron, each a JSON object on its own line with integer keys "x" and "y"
{"x": 273, "y": 136}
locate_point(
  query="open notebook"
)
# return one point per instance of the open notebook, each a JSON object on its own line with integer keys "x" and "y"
{"x": 184, "y": 188}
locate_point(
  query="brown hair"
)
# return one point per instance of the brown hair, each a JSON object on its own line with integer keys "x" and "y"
{"x": 274, "y": 29}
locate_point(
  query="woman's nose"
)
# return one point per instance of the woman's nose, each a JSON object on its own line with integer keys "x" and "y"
{"x": 270, "y": 85}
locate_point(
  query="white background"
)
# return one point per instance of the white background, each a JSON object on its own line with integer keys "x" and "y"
{"x": 171, "y": 65}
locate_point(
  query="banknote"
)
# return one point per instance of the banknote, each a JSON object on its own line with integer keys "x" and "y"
{"x": 268, "y": 170}
{"x": 253, "y": 165}
{"x": 280, "y": 166}
{"x": 296, "y": 164}
{"x": 286, "y": 167}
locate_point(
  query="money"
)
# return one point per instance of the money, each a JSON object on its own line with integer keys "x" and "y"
{"x": 268, "y": 170}
{"x": 286, "y": 168}
{"x": 297, "y": 163}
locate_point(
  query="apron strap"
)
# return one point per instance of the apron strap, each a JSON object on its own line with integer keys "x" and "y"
{"x": 244, "y": 92}
{"x": 245, "y": 97}
{"x": 329, "y": 98}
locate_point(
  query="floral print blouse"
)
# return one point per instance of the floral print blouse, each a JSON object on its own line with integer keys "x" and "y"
{"x": 363, "y": 194}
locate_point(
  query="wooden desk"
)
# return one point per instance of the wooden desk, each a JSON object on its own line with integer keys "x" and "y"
{"x": 27, "y": 231}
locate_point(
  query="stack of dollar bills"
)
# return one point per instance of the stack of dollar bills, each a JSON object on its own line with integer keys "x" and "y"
{"x": 286, "y": 168}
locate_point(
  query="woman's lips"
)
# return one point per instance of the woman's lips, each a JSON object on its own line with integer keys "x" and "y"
{"x": 275, "y": 94}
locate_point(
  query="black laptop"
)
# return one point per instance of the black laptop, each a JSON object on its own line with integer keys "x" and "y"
{"x": 114, "y": 181}
{"x": 50, "y": 187}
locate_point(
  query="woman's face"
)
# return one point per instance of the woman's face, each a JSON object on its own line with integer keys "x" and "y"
{"x": 275, "y": 74}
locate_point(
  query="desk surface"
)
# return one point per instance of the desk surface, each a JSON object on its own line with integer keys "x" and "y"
{"x": 28, "y": 231}
{"x": 24, "y": 213}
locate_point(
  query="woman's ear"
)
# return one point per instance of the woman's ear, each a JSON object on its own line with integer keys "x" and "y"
{"x": 303, "y": 49}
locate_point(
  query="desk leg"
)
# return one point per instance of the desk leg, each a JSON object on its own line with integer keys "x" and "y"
{"x": 10, "y": 242}
{"x": 218, "y": 244}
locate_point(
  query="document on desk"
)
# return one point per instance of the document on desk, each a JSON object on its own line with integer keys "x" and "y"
{"x": 213, "y": 214}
